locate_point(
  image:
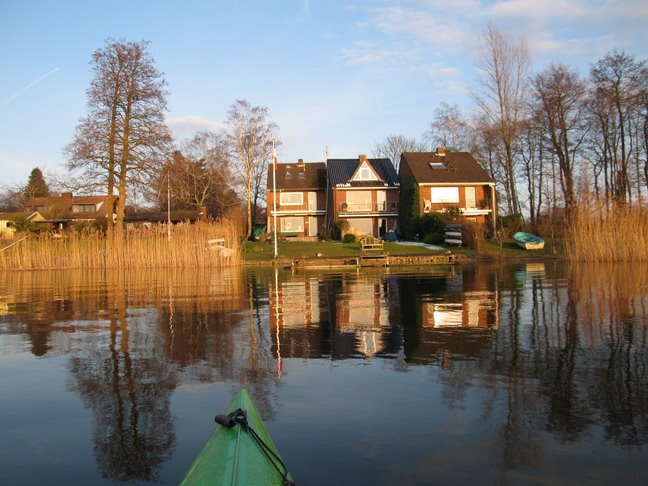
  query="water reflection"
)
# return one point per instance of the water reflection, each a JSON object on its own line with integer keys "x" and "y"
{"x": 550, "y": 347}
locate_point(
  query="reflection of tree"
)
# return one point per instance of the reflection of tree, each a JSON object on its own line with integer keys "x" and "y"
{"x": 128, "y": 387}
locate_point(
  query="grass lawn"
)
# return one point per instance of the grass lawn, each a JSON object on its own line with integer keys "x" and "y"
{"x": 257, "y": 251}
{"x": 260, "y": 251}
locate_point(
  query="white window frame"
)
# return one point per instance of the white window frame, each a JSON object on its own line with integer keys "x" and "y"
{"x": 292, "y": 219}
{"x": 444, "y": 194}
{"x": 282, "y": 202}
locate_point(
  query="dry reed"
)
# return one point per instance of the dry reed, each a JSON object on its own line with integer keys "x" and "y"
{"x": 141, "y": 248}
{"x": 599, "y": 234}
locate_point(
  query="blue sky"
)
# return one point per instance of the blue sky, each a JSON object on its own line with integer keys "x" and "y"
{"x": 341, "y": 75}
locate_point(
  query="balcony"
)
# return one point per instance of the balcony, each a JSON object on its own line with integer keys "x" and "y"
{"x": 381, "y": 207}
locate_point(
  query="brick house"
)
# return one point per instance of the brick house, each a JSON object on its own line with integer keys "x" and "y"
{"x": 363, "y": 192}
{"x": 301, "y": 199}
{"x": 450, "y": 179}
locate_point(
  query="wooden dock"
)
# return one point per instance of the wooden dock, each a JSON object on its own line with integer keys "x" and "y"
{"x": 375, "y": 260}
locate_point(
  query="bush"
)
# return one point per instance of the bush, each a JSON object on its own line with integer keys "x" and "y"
{"x": 339, "y": 228}
{"x": 509, "y": 224}
{"x": 430, "y": 227}
{"x": 349, "y": 238}
{"x": 325, "y": 235}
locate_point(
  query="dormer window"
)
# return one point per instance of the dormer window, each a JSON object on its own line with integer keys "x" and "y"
{"x": 302, "y": 175}
{"x": 84, "y": 208}
{"x": 438, "y": 165}
{"x": 288, "y": 175}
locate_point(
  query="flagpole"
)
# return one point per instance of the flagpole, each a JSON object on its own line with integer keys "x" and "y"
{"x": 274, "y": 195}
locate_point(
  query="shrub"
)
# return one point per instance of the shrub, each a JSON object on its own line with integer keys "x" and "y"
{"x": 349, "y": 238}
{"x": 339, "y": 228}
{"x": 325, "y": 234}
{"x": 430, "y": 227}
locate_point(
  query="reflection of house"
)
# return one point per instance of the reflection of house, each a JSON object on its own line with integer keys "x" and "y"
{"x": 301, "y": 201}
{"x": 8, "y": 221}
{"x": 61, "y": 211}
{"x": 362, "y": 309}
{"x": 476, "y": 309}
{"x": 450, "y": 179}
{"x": 363, "y": 192}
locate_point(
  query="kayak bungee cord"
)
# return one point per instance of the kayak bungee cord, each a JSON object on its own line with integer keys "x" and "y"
{"x": 239, "y": 416}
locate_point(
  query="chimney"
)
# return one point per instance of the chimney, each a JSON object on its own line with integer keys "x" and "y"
{"x": 300, "y": 163}
{"x": 440, "y": 151}
{"x": 66, "y": 195}
{"x": 362, "y": 157}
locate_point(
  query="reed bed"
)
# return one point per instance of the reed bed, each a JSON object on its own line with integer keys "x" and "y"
{"x": 141, "y": 248}
{"x": 600, "y": 234}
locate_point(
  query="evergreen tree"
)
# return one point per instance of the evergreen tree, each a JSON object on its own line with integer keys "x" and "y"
{"x": 36, "y": 185}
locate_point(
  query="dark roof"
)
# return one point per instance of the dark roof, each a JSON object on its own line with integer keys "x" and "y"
{"x": 341, "y": 170}
{"x": 314, "y": 177}
{"x": 461, "y": 167}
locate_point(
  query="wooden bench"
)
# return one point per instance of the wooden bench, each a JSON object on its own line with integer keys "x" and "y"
{"x": 370, "y": 243}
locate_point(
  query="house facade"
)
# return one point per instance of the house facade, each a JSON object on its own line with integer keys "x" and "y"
{"x": 62, "y": 211}
{"x": 450, "y": 179}
{"x": 301, "y": 199}
{"x": 364, "y": 193}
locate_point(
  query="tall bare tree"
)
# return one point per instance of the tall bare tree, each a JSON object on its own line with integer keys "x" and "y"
{"x": 502, "y": 75}
{"x": 560, "y": 103}
{"x": 250, "y": 138}
{"x": 123, "y": 137}
{"x": 392, "y": 146}
{"x": 619, "y": 84}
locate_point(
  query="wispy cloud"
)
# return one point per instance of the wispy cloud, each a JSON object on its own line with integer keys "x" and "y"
{"x": 30, "y": 85}
{"x": 188, "y": 125}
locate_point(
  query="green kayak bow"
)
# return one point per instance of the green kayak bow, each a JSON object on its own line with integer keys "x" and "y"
{"x": 239, "y": 451}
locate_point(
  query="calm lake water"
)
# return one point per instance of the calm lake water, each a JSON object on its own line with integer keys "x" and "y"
{"x": 522, "y": 373}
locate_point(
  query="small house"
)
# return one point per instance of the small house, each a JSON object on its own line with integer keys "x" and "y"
{"x": 450, "y": 180}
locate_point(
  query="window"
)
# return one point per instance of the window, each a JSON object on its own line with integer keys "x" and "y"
{"x": 358, "y": 200}
{"x": 84, "y": 208}
{"x": 437, "y": 165}
{"x": 445, "y": 194}
{"x": 288, "y": 175}
{"x": 292, "y": 225}
{"x": 302, "y": 175}
{"x": 291, "y": 198}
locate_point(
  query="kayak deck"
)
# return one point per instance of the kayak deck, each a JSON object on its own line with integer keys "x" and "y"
{"x": 231, "y": 455}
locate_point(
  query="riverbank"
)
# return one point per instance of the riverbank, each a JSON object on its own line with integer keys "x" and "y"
{"x": 335, "y": 254}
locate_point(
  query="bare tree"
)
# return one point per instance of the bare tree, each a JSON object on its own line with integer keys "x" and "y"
{"x": 197, "y": 175}
{"x": 560, "y": 97}
{"x": 392, "y": 146}
{"x": 123, "y": 138}
{"x": 502, "y": 67}
{"x": 450, "y": 129}
{"x": 619, "y": 86}
{"x": 250, "y": 138}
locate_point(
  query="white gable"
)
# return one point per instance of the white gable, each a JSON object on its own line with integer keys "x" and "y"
{"x": 365, "y": 173}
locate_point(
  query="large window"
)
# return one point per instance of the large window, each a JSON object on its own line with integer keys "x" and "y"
{"x": 358, "y": 200}
{"x": 445, "y": 195}
{"x": 292, "y": 225}
{"x": 291, "y": 198}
